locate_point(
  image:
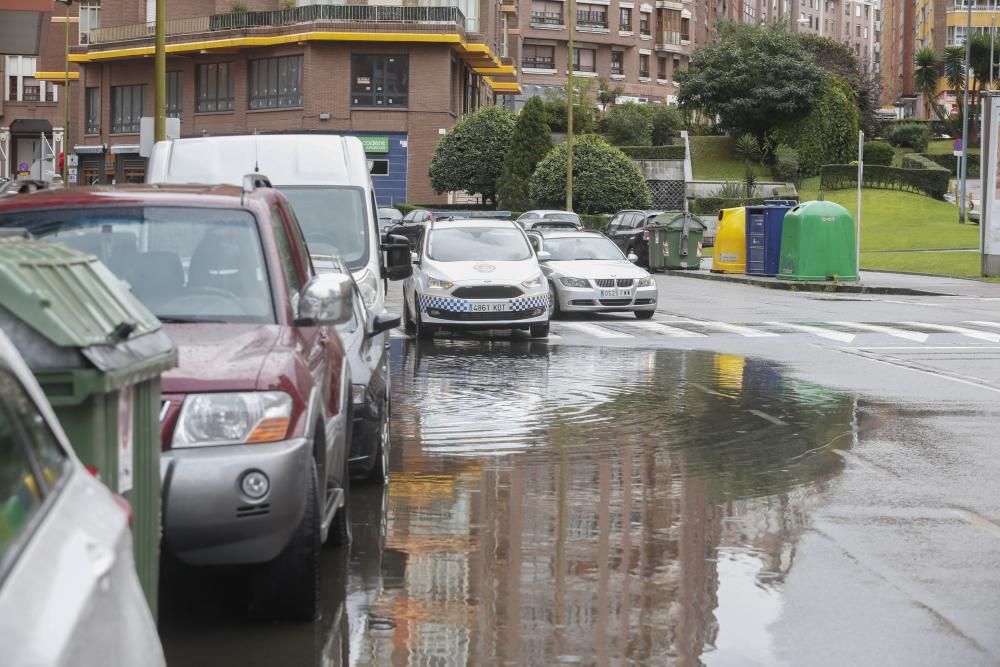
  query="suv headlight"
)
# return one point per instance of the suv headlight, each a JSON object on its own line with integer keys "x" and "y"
{"x": 645, "y": 282}
{"x": 537, "y": 281}
{"x": 233, "y": 418}
{"x": 437, "y": 283}
{"x": 574, "y": 282}
{"x": 368, "y": 286}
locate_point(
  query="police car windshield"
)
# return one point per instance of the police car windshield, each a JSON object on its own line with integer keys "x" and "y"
{"x": 478, "y": 244}
{"x": 581, "y": 248}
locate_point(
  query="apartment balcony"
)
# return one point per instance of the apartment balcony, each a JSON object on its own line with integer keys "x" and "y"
{"x": 594, "y": 20}
{"x": 538, "y": 62}
{"x": 983, "y": 6}
{"x": 671, "y": 42}
{"x": 547, "y": 20}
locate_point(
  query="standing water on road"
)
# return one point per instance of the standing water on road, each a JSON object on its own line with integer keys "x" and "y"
{"x": 577, "y": 505}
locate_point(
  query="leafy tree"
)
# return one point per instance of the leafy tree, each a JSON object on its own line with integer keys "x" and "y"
{"x": 630, "y": 124}
{"x": 607, "y": 95}
{"x": 530, "y": 142}
{"x": 829, "y": 133}
{"x": 471, "y": 155}
{"x": 841, "y": 60}
{"x": 604, "y": 179}
{"x": 786, "y": 164}
{"x": 926, "y": 73}
{"x": 667, "y": 123}
{"x": 954, "y": 68}
{"x": 583, "y": 107}
{"x": 752, "y": 77}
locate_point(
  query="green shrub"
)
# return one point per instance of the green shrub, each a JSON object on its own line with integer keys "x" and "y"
{"x": 530, "y": 142}
{"x": 604, "y": 178}
{"x": 878, "y": 153}
{"x": 654, "y": 152}
{"x": 917, "y": 175}
{"x": 667, "y": 123}
{"x": 555, "y": 116}
{"x": 950, "y": 162}
{"x": 786, "y": 164}
{"x": 630, "y": 125}
{"x": 470, "y": 156}
{"x": 712, "y": 205}
{"x": 829, "y": 133}
{"x": 910, "y": 135}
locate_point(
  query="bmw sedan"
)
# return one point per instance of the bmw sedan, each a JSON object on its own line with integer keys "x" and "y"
{"x": 475, "y": 274}
{"x": 586, "y": 271}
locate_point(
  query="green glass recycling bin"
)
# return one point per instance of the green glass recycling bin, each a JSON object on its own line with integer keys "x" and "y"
{"x": 675, "y": 241}
{"x": 98, "y": 354}
{"x": 818, "y": 243}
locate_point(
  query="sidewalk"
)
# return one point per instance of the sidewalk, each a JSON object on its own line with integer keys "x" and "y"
{"x": 872, "y": 282}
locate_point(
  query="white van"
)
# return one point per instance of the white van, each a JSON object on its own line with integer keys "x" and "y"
{"x": 324, "y": 176}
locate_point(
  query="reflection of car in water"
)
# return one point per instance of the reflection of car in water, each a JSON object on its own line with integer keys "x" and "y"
{"x": 69, "y": 594}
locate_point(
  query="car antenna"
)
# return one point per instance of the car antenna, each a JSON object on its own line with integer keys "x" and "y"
{"x": 256, "y": 153}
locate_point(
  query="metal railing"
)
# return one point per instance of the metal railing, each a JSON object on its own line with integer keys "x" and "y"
{"x": 625, "y": 27}
{"x": 669, "y": 37}
{"x": 538, "y": 62}
{"x": 583, "y": 68}
{"x": 991, "y": 6}
{"x": 360, "y": 17}
{"x": 547, "y": 18}
{"x": 587, "y": 19}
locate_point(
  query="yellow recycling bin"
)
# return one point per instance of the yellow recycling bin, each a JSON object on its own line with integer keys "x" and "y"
{"x": 730, "y": 253}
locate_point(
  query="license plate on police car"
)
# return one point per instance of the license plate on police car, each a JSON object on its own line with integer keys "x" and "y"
{"x": 490, "y": 307}
{"x": 615, "y": 293}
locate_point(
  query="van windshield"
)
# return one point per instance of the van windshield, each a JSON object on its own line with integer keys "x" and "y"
{"x": 333, "y": 221}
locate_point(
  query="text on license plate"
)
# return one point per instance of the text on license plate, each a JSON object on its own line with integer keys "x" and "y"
{"x": 489, "y": 307}
{"x": 612, "y": 293}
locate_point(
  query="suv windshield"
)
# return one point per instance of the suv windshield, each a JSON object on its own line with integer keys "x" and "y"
{"x": 333, "y": 221}
{"x": 580, "y": 247}
{"x": 477, "y": 244}
{"x": 184, "y": 264}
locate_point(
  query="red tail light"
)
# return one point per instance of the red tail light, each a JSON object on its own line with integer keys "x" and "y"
{"x": 93, "y": 471}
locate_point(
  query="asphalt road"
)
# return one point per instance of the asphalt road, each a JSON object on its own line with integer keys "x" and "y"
{"x": 753, "y": 477}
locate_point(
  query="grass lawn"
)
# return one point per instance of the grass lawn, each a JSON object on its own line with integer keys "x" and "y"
{"x": 961, "y": 264}
{"x": 940, "y": 147}
{"x": 713, "y": 159}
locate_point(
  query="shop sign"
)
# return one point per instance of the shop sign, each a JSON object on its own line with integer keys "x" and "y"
{"x": 375, "y": 144}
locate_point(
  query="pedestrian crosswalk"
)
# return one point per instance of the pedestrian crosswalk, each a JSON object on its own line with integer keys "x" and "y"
{"x": 621, "y": 330}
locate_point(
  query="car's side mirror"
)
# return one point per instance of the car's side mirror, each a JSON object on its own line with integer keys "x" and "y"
{"x": 544, "y": 255}
{"x": 634, "y": 258}
{"x": 383, "y": 322}
{"x": 397, "y": 257}
{"x": 326, "y": 300}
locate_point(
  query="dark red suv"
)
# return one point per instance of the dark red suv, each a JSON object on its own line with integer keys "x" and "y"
{"x": 256, "y": 419}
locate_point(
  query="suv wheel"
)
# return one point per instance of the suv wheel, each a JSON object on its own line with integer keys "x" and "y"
{"x": 380, "y": 469}
{"x": 554, "y": 311}
{"x": 539, "y": 330}
{"x": 340, "y": 529}
{"x": 288, "y": 587}
{"x": 408, "y": 326}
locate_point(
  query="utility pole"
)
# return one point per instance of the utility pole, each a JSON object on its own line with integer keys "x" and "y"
{"x": 160, "y": 73}
{"x": 570, "y": 95}
{"x": 963, "y": 161}
{"x": 65, "y": 142}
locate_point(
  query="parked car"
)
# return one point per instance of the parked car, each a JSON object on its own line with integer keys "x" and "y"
{"x": 412, "y": 225}
{"x": 255, "y": 421}
{"x": 629, "y": 230}
{"x": 326, "y": 179}
{"x": 475, "y": 274}
{"x": 69, "y": 594}
{"x": 538, "y": 218}
{"x": 585, "y": 271}
{"x": 388, "y": 216}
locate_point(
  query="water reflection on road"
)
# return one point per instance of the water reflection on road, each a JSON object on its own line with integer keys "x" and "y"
{"x": 579, "y": 505}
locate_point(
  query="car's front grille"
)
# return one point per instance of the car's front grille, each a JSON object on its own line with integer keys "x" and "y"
{"x": 615, "y": 302}
{"x": 486, "y": 317}
{"x": 252, "y": 510}
{"x": 487, "y": 292}
{"x": 614, "y": 282}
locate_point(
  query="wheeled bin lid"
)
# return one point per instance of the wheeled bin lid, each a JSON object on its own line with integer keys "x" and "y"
{"x": 679, "y": 221}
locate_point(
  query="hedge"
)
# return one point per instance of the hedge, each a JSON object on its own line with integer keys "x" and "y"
{"x": 672, "y": 152}
{"x": 950, "y": 162}
{"x": 712, "y": 205}
{"x": 918, "y": 175}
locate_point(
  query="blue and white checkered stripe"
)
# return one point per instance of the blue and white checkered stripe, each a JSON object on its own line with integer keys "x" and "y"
{"x": 453, "y": 305}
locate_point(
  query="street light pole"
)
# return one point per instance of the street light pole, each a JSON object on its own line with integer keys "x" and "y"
{"x": 160, "y": 73}
{"x": 963, "y": 161}
{"x": 570, "y": 94}
{"x": 65, "y": 142}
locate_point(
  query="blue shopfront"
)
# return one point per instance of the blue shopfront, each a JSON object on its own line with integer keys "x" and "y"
{"x": 387, "y": 162}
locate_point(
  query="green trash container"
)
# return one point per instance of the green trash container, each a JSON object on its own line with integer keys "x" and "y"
{"x": 818, "y": 243}
{"x": 98, "y": 354}
{"x": 675, "y": 241}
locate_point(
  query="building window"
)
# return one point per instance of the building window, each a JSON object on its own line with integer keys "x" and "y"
{"x": 175, "y": 94}
{"x": 32, "y": 91}
{"x": 538, "y": 57}
{"x": 584, "y": 60}
{"x": 127, "y": 106}
{"x": 625, "y": 19}
{"x": 685, "y": 30}
{"x": 546, "y": 12}
{"x": 671, "y": 27}
{"x": 644, "y": 23}
{"x": 643, "y": 66}
{"x": 379, "y": 168}
{"x": 617, "y": 62}
{"x": 215, "y": 87}
{"x": 90, "y": 18}
{"x": 592, "y": 16}
{"x": 857, "y": 31}
{"x": 276, "y": 83}
{"x": 661, "y": 67}
{"x": 380, "y": 80}
{"x": 92, "y": 103}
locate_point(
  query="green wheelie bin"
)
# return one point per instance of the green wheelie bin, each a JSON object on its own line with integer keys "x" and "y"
{"x": 675, "y": 241}
{"x": 98, "y": 354}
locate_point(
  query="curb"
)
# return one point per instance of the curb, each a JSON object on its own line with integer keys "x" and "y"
{"x": 791, "y": 286}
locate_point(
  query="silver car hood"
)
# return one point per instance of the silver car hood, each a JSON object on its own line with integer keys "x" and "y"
{"x": 483, "y": 272}
{"x": 594, "y": 268}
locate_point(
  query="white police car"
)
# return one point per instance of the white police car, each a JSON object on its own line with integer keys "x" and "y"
{"x": 475, "y": 274}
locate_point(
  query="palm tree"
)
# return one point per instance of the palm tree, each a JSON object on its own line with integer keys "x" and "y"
{"x": 926, "y": 73}
{"x": 954, "y": 68}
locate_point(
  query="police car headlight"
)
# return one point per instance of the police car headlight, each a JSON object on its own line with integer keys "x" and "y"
{"x": 645, "y": 282}
{"x": 368, "y": 286}
{"x": 574, "y": 282}
{"x": 537, "y": 281}
{"x": 437, "y": 283}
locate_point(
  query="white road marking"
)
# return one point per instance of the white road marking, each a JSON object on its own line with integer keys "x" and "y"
{"x": 947, "y": 328}
{"x": 984, "y": 324}
{"x": 735, "y": 328}
{"x": 978, "y": 520}
{"x": 977, "y": 348}
{"x": 767, "y": 417}
{"x": 818, "y": 331}
{"x": 594, "y": 330}
{"x": 877, "y": 328}
{"x": 664, "y": 329}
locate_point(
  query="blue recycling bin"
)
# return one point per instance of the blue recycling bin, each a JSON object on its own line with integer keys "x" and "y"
{"x": 764, "y": 226}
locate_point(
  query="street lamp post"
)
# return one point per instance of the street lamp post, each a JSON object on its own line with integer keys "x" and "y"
{"x": 160, "y": 73}
{"x": 570, "y": 94}
{"x": 963, "y": 161}
{"x": 65, "y": 142}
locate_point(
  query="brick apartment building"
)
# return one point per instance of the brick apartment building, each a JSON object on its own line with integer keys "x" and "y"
{"x": 897, "y": 63}
{"x": 396, "y": 76}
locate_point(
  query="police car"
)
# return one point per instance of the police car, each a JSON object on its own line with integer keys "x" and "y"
{"x": 475, "y": 274}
